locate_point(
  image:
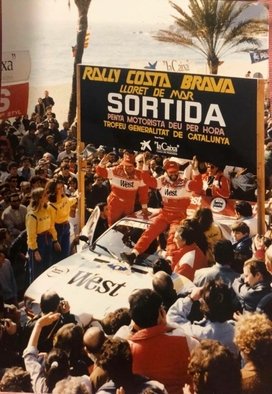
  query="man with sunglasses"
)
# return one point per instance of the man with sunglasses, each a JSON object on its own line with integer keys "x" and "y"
{"x": 14, "y": 215}
{"x": 212, "y": 183}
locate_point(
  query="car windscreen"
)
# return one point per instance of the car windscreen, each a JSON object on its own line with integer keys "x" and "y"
{"x": 121, "y": 238}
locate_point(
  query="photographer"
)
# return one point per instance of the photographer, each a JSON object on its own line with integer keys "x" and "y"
{"x": 9, "y": 355}
{"x": 216, "y": 304}
{"x": 50, "y": 302}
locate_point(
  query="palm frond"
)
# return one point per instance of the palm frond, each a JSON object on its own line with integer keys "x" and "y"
{"x": 213, "y": 27}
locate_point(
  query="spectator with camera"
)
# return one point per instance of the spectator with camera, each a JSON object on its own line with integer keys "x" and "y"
{"x": 50, "y": 302}
{"x": 9, "y": 335}
{"x": 216, "y": 304}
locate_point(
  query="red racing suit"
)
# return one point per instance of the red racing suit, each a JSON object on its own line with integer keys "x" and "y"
{"x": 124, "y": 189}
{"x": 188, "y": 259}
{"x": 175, "y": 199}
{"x": 213, "y": 186}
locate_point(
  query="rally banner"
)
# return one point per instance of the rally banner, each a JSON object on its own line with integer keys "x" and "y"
{"x": 176, "y": 114}
{"x": 14, "y": 100}
{"x": 15, "y": 67}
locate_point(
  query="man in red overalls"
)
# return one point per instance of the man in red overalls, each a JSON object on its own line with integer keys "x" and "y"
{"x": 214, "y": 183}
{"x": 126, "y": 181}
{"x": 175, "y": 190}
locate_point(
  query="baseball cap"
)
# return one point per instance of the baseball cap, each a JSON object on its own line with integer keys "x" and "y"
{"x": 171, "y": 166}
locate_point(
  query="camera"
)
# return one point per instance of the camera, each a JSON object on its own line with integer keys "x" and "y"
{"x": 4, "y": 323}
{"x": 62, "y": 306}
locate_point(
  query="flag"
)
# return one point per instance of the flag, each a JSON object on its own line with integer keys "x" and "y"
{"x": 258, "y": 55}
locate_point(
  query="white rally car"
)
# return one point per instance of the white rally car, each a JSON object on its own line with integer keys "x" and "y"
{"x": 94, "y": 280}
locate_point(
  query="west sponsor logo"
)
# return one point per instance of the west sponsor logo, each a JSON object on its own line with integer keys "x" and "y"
{"x": 96, "y": 283}
{"x": 170, "y": 192}
{"x": 126, "y": 184}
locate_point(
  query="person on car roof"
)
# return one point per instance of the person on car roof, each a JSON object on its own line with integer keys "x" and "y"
{"x": 126, "y": 182}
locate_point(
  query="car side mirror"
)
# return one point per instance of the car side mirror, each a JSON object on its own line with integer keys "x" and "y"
{"x": 84, "y": 238}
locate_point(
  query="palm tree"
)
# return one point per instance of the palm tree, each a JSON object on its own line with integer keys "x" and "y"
{"x": 83, "y": 7}
{"x": 214, "y": 28}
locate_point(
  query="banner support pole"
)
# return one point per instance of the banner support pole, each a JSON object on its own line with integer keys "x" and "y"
{"x": 80, "y": 160}
{"x": 260, "y": 158}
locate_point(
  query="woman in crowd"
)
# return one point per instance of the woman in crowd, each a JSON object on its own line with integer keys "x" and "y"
{"x": 45, "y": 371}
{"x": 212, "y": 231}
{"x": 69, "y": 338}
{"x": 40, "y": 233}
{"x": 253, "y": 336}
{"x": 213, "y": 369}
{"x": 59, "y": 207}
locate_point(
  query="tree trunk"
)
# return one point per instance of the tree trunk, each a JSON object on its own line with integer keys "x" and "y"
{"x": 83, "y": 7}
{"x": 213, "y": 63}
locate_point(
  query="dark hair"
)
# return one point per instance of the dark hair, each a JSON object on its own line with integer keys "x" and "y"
{"x": 3, "y": 233}
{"x": 219, "y": 166}
{"x": 186, "y": 233}
{"x": 114, "y": 320}
{"x": 12, "y": 164}
{"x": 116, "y": 358}
{"x": 9, "y": 178}
{"x": 34, "y": 179}
{"x": 16, "y": 379}
{"x": 217, "y": 305}
{"x": 73, "y": 179}
{"x": 51, "y": 188}
{"x": 49, "y": 301}
{"x": 162, "y": 265}
{"x": 70, "y": 339}
{"x": 26, "y": 158}
{"x": 243, "y": 208}
{"x": 204, "y": 217}
{"x": 3, "y": 166}
{"x": 240, "y": 227}
{"x": 15, "y": 196}
{"x": 265, "y": 306}
{"x": 257, "y": 266}
{"x": 193, "y": 233}
{"x": 223, "y": 252}
{"x": 56, "y": 367}
{"x": 144, "y": 307}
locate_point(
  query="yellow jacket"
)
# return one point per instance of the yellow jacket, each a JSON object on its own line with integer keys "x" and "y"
{"x": 37, "y": 222}
{"x": 60, "y": 210}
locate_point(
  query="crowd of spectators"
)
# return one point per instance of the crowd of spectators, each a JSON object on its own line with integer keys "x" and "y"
{"x": 216, "y": 338}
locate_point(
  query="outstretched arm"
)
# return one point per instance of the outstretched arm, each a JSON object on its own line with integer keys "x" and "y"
{"x": 45, "y": 320}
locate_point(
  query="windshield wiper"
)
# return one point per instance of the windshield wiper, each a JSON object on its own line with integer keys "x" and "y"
{"x": 105, "y": 249}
